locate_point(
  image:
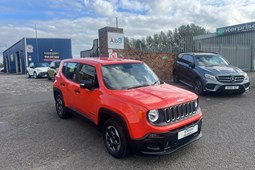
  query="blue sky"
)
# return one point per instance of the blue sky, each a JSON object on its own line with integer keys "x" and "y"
{"x": 81, "y": 19}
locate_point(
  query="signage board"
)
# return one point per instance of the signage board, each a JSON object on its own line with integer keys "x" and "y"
{"x": 164, "y": 57}
{"x": 51, "y": 56}
{"x": 115, "y": 40}
{"x": 30, "y": 48}
{"x": 235, "y": 29}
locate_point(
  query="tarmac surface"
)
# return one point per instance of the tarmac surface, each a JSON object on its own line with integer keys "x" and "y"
{"x": 33, "y": 137}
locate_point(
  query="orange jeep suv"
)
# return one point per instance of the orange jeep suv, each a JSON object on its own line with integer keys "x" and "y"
{"x": 133, "y": 109}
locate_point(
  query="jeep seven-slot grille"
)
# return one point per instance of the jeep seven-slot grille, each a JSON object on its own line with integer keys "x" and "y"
{"x": 231, "y": 79}
{"x": 180, "y": 112}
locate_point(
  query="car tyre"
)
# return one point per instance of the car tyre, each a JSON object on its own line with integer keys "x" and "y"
{"x": 28, "y": 75}
{"x": 198, "y": 87}
{"x": 115, "y": 139}
{"x": 60, "y": 107}
{"x": 35, "y": 75}
{"x": 48, "y": 76}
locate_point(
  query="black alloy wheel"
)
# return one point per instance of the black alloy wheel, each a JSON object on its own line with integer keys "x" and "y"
{"x": 115, "y": 139}
{"x": 60, "y": 107}
{"x": 199, "y": 89}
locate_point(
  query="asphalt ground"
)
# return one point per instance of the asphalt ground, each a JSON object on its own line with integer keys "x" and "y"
{"x": 33, "y": 137}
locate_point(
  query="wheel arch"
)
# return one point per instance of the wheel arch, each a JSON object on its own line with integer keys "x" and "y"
{"x": 56, "y": 91}
{"x": 105, "y": 114}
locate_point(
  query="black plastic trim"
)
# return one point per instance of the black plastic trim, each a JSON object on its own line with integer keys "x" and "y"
{"x": 166, "y": 143}
{"x": 114, "y": 115}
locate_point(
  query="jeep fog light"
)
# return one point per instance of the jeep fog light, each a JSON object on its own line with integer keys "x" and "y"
{"x": 153, "y": 116}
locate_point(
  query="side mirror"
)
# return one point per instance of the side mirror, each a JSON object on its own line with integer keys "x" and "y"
{"x": 87, "y": 84}
{"x": 32, "y": 67}
{"x": 192, "y": 65}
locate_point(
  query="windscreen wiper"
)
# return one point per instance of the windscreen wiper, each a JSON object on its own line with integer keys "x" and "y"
{"x": 155, "y": 82}
{"x": 138, "y": 86}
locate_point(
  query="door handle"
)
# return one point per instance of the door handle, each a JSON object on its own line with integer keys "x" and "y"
{"x": 77, "y": 91}
{"x": 62, "y": 84}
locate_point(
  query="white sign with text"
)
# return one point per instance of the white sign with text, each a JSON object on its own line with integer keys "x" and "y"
{"x": 115, "y": 40}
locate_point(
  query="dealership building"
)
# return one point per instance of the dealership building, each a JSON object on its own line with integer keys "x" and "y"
{"x": 236, "y": 43}
{"x": 18, "y": 56}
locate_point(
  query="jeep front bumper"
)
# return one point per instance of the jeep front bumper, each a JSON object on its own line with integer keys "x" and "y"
{"x": 165, "y": 143}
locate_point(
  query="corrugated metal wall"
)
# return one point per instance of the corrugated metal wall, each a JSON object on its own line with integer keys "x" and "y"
{"x": 18, "y": 51}
{"x": 237, "y": 48}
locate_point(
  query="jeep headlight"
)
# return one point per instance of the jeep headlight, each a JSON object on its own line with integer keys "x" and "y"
{"x": 210, "y": 77}
{"x": 153, "y": 116}
{"x": 196, "y": 104}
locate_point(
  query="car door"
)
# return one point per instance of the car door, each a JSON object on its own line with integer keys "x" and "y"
{"x": 87, "y": 99}
{"x": 51, "y": 71}
{"x": 189, "y": 69}
{"x": 69, "y": 83}
{"x": 186, "y": 69}
{"x": 182, "y": 68}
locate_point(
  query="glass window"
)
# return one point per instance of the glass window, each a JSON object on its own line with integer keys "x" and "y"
{"x": 41, "y": 65}
{"x": 86, "y": 73}
{"x": 210, "y": 60}
{"x": 184, "y": 58}
{"x": 57, "y": 64}
{"x": 187, "y": 59}
{"x": 128, "y": 76}
{"x": 190, "y": 59}
{"x": 52, "y": 64}
{"x": 31, "y": 64}
{"x": 69, "y": 70}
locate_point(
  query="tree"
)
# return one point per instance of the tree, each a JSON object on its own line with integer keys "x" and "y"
{"x": 191, "y": 30}
{"x": 181, "y": 39}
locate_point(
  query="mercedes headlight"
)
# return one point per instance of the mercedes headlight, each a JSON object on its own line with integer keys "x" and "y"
{"x": 153, "y": 116}
{"x": 210, "y": 77}
{"x": 246, "y": 77}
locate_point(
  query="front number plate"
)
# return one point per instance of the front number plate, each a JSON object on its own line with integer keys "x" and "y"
{"x": 231, "y": 87}
{"x": 187, "y": 132}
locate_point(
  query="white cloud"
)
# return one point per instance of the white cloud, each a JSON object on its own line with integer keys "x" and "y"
{"x": 148, "y": 17}
{"x": 133, "y": 5}
{"x": 104, "y": 8}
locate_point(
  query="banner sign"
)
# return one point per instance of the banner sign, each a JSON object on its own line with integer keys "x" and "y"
{"x": 235, "y": 29}
{"x": 115, "y": 40}
{"x": 50, "y": 56}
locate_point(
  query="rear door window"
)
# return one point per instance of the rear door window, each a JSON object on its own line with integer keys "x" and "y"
{"x": 87, "y": 73}
{"x": 69, "y": 70}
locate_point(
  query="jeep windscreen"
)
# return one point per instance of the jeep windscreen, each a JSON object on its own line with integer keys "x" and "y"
{"x": 128, "y": 76}
{"x": 210, "y": 60}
